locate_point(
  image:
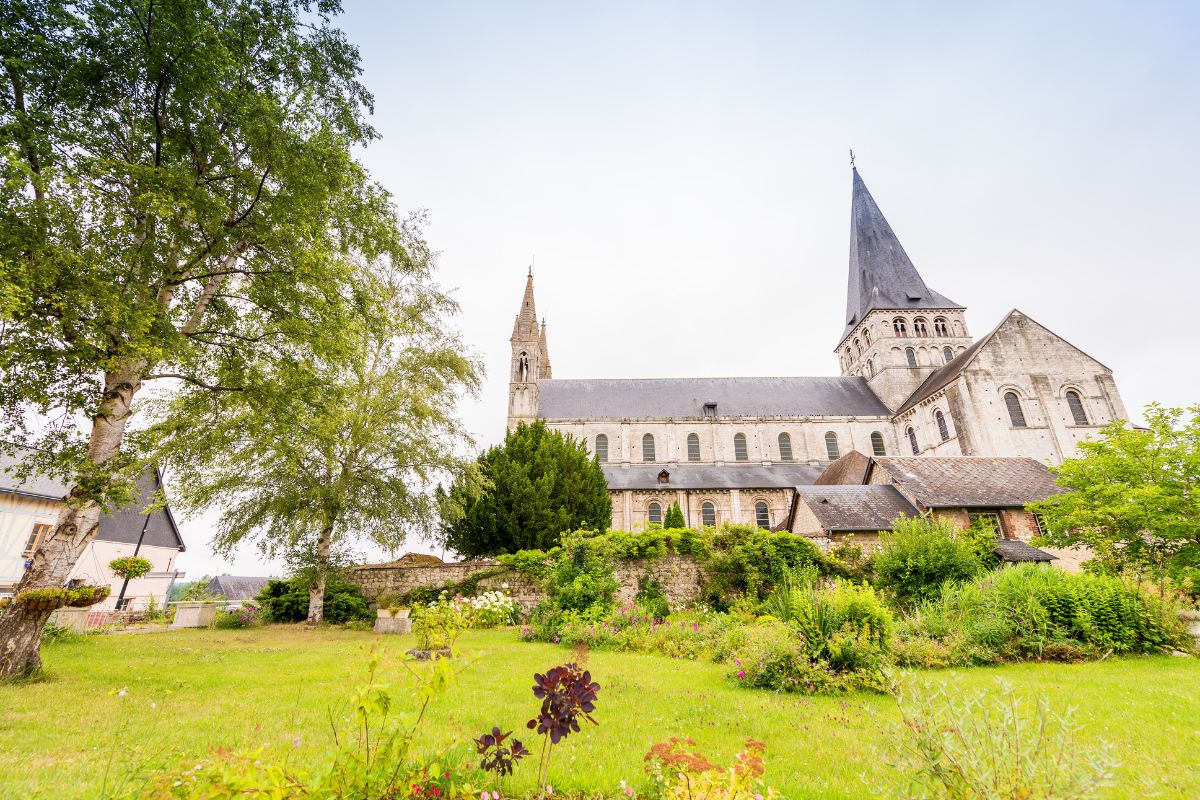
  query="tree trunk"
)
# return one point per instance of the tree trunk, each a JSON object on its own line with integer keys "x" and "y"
{"x": 316, "y": 592}
{"x": 21, "y": 630}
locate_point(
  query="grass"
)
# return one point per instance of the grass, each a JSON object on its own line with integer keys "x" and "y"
{"x": 70, "y": 735}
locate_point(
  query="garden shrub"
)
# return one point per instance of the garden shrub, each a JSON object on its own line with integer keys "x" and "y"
{"x": 920, "y": 555}
{"x": 287, "y": 601}
{"x": 244, "y": 617}
{"x": 777, "y": 657}
{"x": 748, "y": 561}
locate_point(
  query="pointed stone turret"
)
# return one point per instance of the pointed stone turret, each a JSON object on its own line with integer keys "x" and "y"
{"x": 527, "y": 319}
{"x": 545, "y": 352}
{"x": 881, "y": 274}
{"x": 530, "y": 362}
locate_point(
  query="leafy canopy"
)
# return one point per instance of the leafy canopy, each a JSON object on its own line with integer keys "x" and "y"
{"x": 525, "y": 494}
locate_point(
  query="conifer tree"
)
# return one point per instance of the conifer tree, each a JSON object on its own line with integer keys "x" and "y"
{"x": 674, "y": 518}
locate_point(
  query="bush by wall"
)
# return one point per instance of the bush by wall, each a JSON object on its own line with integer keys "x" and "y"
{"x": 922, "y": 554}
{"x": 287, "y": 601}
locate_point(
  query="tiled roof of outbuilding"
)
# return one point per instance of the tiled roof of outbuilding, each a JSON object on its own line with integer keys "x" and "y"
{"x": 709, "y": 476}
{"x": 849, "y": 470}
{"x": 235, "y": 588}
{"x": 686, "y": 397}
{"x": 1014, "y": 551}
{"x": 856, "y": 508}
{"x": 971, "y": 481}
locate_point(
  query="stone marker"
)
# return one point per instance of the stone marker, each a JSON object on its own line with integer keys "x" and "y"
{"x": 194, "y": 615}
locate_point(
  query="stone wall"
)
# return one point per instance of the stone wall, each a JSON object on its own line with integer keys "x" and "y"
{"x": 681, "y": 578}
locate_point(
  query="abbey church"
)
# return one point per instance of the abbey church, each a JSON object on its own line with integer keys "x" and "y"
{"x": 914, "y": 382}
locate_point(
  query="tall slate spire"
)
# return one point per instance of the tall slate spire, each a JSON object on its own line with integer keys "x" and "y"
{"x": 526, "y": 323}
{"x": 881, "y": 275}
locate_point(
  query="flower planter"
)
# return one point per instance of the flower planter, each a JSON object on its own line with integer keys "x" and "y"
{"x": 99, "y": 594}
{"x": 386, "y": 613}
{"x": 1191, "y": 623}
{"x": 390, "y": 624}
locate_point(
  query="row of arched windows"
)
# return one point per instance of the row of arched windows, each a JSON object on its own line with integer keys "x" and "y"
{"x": 920, "y": 327}
{"x": 1016, "y": 414}
{"x": 910, "y": 355}
{"x": 708, "y": 514}
{"x": 740, "y": 452}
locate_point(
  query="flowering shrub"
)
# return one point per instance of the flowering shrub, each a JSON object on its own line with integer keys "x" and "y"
{"x": 685, "y": 775}
{"x": 244, "y": 617}
{"x": 778, "y": 658}
{"x": 492, "y": 609}
{"x": 130, "y": 567}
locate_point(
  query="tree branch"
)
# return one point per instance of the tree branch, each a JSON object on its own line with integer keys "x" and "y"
{"x": 194, "y": 381}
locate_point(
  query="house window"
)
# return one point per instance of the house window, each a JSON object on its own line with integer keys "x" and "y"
{"x": 739, "y": 447}
{"x": 911, "y": 356}
{"x": 708, "y": 515}
{"x": 693, "y": 447}
{"x": 831, "y": 446}
{"x": 919, "y": 328}
{"x": 785, "y": 447}
{"x": 761, "y": 515}
{"x": 939, "y": 328}
{"x": 647, "y": 448}
{"x": 35, "y": 536}
{"x": 1014, "y": 410}
{"x": 992, "y": 518}
{"x": 898, "y": 327}
{"x": 1039, "y": 522}
{"x": 602, "y": 448}
{"x": 912, "y": 439}
{"x": 877, "y": 444}
{"x": 870, "y": 368}
{"x": 943, "y": 431}
{"x": 1077, "y": 408}
{"x": 655, "y": 515}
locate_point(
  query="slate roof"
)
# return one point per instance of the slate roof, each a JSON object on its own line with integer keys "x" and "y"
{"x": 1014, "y": 551}
{"x": 235, "y": 588}
{"x": 971, "y": 481}
{"x": 856, "y": 508}
{"x": 849, "y": 470}
{"x": 709, "y": 476}
{"x": 881, "y": 274}
{"x": 685, "y": 397}
{"x": 37, "y": 486}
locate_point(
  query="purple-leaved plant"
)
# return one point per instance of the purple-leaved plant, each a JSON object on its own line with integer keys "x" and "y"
{"x": 567, "y": 693}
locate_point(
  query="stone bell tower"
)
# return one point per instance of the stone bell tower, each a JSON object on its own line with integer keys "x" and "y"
{"x": 530, "y": 361}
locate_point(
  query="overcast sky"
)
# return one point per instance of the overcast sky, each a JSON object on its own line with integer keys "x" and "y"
{"x": 680, "y": 173}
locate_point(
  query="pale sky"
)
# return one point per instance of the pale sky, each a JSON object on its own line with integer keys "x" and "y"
{"x": 680, "y": 173}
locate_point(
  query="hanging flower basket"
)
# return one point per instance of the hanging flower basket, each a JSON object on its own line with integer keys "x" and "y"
{"x": 44, "y": 599}
{"x": 130, "y": 567}
{"x": 86, "y": 596}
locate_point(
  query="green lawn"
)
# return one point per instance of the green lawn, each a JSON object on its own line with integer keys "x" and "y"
{"x": 60, "y": 737}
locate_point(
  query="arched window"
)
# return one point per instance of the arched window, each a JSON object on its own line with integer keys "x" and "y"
{"x": 739, "y": 447}
{"x": 866, "y": 337}
{"x": 785, "y": 447}
{"x": 1077, "y": 408}
{"x": 1015, "y": 414}
{"x": 877, "y": 444}
{"x": 602, "y": 448}
{"x": 943, "y": 431}
{"x": 940, "y": 328}
{"x": 647, "y": 448}
{"x": 858, "y": 347}
{"x": 919, "y": 328}
{"x": 654, "y": 515}
{"x": 911, "y": 355}
{"x": 912, "y": 439}
{"x": 948, "y": 354}
{"x": 761, "y": 515}
{"x": 708, "y": 515}
{"x": 898, "y": 327}
{"x": 870, "y": 368}
{"x": 693, "y": 447}
{"x": 831, "y": 446}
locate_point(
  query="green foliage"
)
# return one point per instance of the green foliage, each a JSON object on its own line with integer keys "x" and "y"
{"x": 529, "y": 562}
{"x": 583, "y": 575}
{"x": 955, "y": 744}
{"x": 921, "y": 554}
{"x": 130, "y": 567}
{"x": 674, "y": 518}
{"x": 776, "y": 657}
{"x": 981, "y": 538}
{"x": 749, "y": 561}
{"x": 525, "y": 494}
{"x": 196, "y": 592}
{"x": 287, "y": 601}
{"x": 1132, "y": 494}
{"x": 236, "y": 618}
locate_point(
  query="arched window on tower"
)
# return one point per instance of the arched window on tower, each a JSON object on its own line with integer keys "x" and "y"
{"x": 647, "y": 448}
{"x": 1077, "y": 408}
{"x": 693, "y": 447}
{"x": 602, "y": 448}
{"x": 866, "y": 337}
{"x": 708, "y": 515}
{"x": 858, "y": 347}
{"x": 940, "y": 328}
{"x": 919, "y": 328}
{"x": 761, "y": 515}
{"x": 870, "y": 368}
{"x": 739, "y": 447}
{"x": 898, "y": 327}
{"x": 943, "y": 431}
{"x": 912, "y": 440}
{"x": 911, "y": 356}
{"x": 654, "y": 514}
{"x": 877, "y": 444}
{"x": 831, "y": 446}
{"x": 785, "y": 447}
{"x": 1015, "y": 414}
{"x": 947, "y": 354}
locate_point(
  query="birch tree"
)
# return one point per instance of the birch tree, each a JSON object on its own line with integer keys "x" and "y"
{"x": 177, "y": 192}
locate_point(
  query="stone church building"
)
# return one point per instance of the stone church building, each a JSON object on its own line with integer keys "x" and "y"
{"x": 914, "y": 382}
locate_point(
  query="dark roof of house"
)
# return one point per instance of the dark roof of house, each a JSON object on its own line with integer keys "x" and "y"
{"x": 708, "y": 476}
{"x": 1014, "y": 551}
{"x": 37, "y": 486}
{"x": 881, "y": 274}
{"x": 856, "y": 508}
{"x": 686, "y": 397}
{"x": 849, "y": 470}
{"x": 235, "y": 588}
{"x": 971, "y": 481}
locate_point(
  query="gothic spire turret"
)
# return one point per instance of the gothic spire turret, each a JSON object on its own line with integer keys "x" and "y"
{"x": 881, "y": 274}
{"x": 530, "y": 361}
